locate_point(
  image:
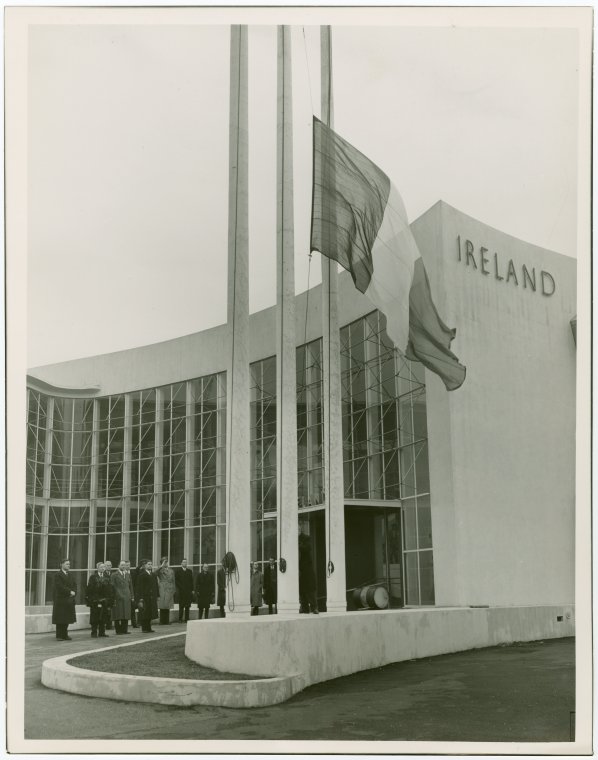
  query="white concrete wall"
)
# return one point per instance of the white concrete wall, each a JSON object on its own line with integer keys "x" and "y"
{"x": 320, "y": 648}
{"x": 502, "y": 447}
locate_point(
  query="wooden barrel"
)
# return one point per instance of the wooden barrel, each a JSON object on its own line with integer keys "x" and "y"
{"x": 374, "y": 597}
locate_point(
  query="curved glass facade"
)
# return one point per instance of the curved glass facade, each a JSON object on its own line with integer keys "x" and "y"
{"x": 132, "y": 475}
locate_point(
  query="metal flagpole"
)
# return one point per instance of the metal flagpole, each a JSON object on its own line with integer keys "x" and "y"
{"x": 335, "y": 515}
{"x": 237, "y": 376}
{"x": 286, "y": 408}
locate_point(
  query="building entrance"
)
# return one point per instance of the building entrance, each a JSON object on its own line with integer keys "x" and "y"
{"x": 313, "y": 524}
{"x": 373, "y": 554}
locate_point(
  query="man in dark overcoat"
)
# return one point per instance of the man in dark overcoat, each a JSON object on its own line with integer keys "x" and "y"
{"x": 307, "y": 578}
{"x": 63, "y": 608}
{"x": 99, "y": 599}
{"x": 146, "y": 596}
{"x": 121, "y": 609}
{"x": 131, "y": 577}
{"x": 221, "y": 583}
{"x": 204, "y": 591}
{"x": 271, "y": 586}
{"x": 108, "y": 574}
{"x": 183, "y": 579}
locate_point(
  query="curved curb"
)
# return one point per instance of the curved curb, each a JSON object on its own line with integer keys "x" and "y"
{"x": 57, "y": 673}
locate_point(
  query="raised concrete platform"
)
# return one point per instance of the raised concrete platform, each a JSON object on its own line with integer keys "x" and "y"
{"x": 39, "y": 619}
{"x": 290, "y": 652}
{"x": 314, "y": 648}
{"x": 57, "y": 673}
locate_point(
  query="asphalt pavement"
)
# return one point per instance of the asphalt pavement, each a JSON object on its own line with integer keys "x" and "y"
{"x": 523, "y": 693}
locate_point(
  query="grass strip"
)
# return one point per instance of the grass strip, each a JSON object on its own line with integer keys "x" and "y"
{"x": 162, "y": 658}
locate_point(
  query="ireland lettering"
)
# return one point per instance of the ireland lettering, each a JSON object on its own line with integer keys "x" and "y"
{"x": 504, "y": 270}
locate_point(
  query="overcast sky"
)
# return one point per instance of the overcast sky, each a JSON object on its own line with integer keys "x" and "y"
{"x": 128, "y": 159}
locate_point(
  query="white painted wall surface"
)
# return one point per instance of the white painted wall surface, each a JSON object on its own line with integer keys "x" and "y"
{"x": 502, "y": 447}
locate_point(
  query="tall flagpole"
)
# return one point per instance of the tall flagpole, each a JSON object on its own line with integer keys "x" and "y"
{"x": 331, "y": 360}
{"x": 237, "y": 376}
{"x": 286, "y": 416}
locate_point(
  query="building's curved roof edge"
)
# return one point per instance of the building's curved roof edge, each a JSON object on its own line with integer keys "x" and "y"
{"x": 36, "y": 384}
{"x": 443, "y": 204}
{"x": 436, "y": 207}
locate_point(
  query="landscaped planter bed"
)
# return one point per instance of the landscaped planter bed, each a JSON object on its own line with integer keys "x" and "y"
{"x": 161, "y": 658}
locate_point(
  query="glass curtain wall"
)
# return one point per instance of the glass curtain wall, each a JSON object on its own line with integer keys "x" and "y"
{"x": 134, "y": 475}
{"x": 263, "y": 460}
{"x": 36, "y": 510}
{"x": 207, "y": 469}
{"x": 385, "y": 446}
{"x": 310, "y": 426}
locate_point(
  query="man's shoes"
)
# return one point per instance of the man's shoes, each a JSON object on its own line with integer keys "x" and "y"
{"x": 103, "y": 635}
{"x": 126, "y": 633}
{"x": 94, "y": 634}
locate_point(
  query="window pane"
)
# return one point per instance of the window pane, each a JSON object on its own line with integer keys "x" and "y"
{"x": 78, "y": 551}
{"x": 426, "y": 576}
{"x": 177, "y": 544}
{"x": 424, "y": 522}
{"x": 409, "y": 525}
{"x": 422, "y": 470}
{"x": 113, "y": 548}
{"x": 270, "y": 530}
{"x": 412, "y": 580}
{"x": 407, "y": 472}
{"x": 256, "y": 542}
{"x": 208, "y": 545}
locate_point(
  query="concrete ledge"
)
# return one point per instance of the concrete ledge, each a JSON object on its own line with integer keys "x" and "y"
{"x": 57, "y": 673}
{"x": 41, "y": 622}
{"x": 39, "y": 619}
{"x": 333, "y": 644}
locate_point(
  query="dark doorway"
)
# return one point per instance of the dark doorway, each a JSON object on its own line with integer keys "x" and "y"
{"x": 312, "y": 524}
{"x": 373, "y": 552}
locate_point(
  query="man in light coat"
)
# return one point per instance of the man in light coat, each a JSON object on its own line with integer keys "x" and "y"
{"x": 121, "y": 610}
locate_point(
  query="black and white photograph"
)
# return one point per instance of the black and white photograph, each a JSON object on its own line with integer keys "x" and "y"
{"x": 298, "y": 323}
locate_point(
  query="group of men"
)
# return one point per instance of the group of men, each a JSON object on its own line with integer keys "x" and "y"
{"x": 115, "y": 597}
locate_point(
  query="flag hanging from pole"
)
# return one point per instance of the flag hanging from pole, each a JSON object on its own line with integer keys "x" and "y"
{"x": 359, "y": 219}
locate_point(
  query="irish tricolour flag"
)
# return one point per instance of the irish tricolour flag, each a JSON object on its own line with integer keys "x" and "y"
{"x": 359, "y": 220}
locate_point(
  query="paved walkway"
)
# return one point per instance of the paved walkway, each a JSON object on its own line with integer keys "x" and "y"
{"x": 523, "y": 692}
